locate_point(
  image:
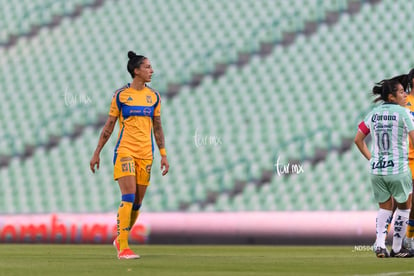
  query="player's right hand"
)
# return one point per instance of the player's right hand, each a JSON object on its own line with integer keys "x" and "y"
{"x": 94, "y": 161}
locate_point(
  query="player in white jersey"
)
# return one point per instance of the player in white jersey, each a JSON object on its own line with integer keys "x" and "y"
{"x": 389, "y": 124}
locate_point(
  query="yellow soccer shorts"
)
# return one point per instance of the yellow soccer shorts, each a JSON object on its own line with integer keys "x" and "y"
{"x": 126, "y": 165}
{"x": 411, "y": 165}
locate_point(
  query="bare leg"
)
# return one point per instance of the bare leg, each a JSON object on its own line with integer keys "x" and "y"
{"x": 139, "y": 196}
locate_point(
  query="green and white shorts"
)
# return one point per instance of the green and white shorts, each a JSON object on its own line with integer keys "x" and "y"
{"x": 399, "y": 186}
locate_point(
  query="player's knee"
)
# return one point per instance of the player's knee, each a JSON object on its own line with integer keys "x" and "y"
{"x": 136, "y": 206}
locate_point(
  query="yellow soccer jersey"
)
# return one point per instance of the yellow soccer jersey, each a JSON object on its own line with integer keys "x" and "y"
{"x": 410, "y": 106}
{"x": 135, "y": 110}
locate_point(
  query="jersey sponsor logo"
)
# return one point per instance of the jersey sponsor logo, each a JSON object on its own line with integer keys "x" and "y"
{"x": 125, "y": 159}
{"x": 382, "y": 164}
{"x": 130, "y": 99}
{"x": 128, "y": 111}
{"x": 377, "y": 117}
{"x": 147, "y": 111}
{"x": 132, "y": 111}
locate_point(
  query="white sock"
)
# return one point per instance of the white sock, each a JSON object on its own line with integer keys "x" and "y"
{"x": 383, "y": 219}
{"x": 400, "y": 226}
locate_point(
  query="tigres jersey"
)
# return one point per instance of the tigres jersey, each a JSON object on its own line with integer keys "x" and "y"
{"x": 410, "y": 106}
{"x": 135, "y": 110}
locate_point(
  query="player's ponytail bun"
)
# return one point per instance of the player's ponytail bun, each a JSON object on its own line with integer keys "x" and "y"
{"x": 131, "y": 54}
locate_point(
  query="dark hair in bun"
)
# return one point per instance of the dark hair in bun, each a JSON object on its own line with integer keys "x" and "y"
{"x": 134, "y": 61}
{"x": 131, "y": 54}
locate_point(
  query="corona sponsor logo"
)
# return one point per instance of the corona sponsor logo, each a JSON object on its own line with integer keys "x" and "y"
{"x": 377, "y": 117}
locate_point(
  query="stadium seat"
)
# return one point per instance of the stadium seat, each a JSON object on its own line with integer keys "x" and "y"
{"x": 285, "y": 103}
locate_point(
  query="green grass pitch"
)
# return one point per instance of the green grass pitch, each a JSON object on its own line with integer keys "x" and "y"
{"x": 160, "y": 260}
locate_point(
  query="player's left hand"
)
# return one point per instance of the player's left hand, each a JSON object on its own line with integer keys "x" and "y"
{"x": 164, "y": 165}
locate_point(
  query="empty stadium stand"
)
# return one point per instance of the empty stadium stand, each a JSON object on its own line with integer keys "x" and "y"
{"x": 298, "y": 102}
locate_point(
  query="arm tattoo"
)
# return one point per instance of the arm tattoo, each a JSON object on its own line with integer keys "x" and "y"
{"x": 106, "y": 133}
{"x": 158, "y": 132}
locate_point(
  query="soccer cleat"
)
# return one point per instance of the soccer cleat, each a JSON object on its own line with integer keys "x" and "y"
{"x": 116, "y": 245}
{"x": 381, "y": 252}
{"x": 127, "y": 254}
{"x": 408, "y": 243}
{"x": 403, "y": 253}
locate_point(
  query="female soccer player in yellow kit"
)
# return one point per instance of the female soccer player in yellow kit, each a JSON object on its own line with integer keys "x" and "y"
{"x": 410, "y": 105}
{"x": 138, "y": 108}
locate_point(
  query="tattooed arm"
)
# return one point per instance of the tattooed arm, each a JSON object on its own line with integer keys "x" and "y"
{"x": 158, "y": 132}
{"x": 105, "y": 134}
{"x": 159, "y": 139}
